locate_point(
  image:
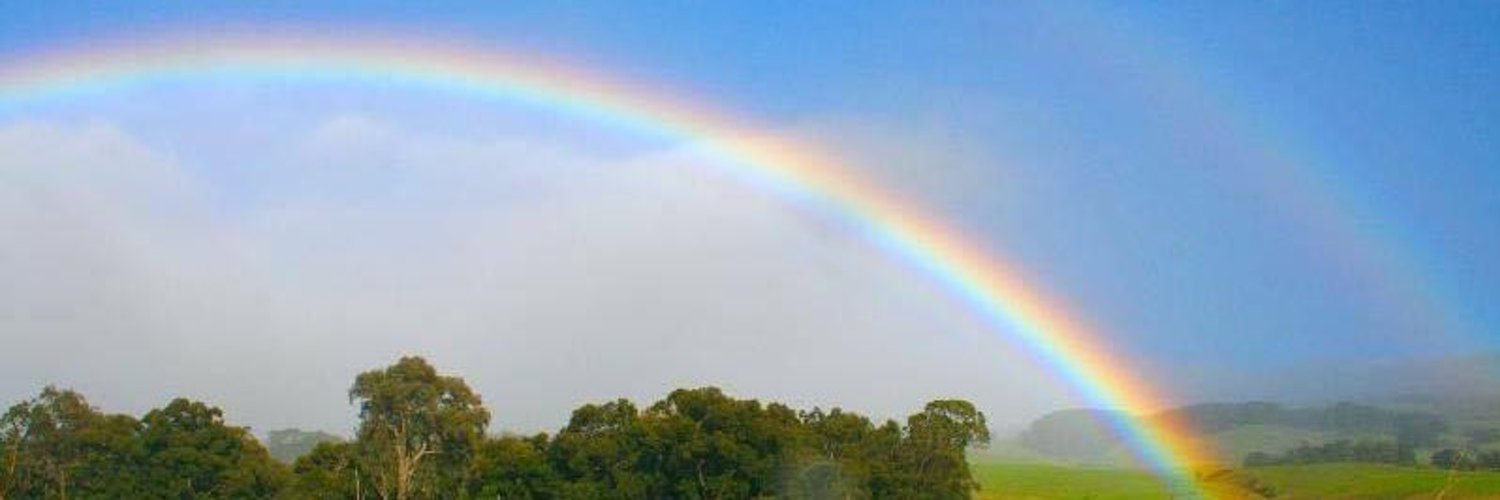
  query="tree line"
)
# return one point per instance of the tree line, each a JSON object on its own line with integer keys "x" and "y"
{"x": 1407, "y": 428}
{"x": 422, "y": 434}
{"x": 1339, "y": 451}
{"x": 1466, "y": 459}
{"x": 1378, "y": 452}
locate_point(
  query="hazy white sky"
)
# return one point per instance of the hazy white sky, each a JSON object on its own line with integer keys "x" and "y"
{"x": 1223, "y": 192}
{"x": 545, "y": 271}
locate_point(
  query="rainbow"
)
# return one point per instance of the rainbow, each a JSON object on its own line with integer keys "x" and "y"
{"x": 1288, "y": 171}
{"x": 994, "y": 289}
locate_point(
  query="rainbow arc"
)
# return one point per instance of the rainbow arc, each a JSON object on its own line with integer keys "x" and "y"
{"x": 988, "y": 284}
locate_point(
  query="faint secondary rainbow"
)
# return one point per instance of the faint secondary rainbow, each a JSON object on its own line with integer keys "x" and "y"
{"x": 994, "y": 289}
{"x": 1356, "y": 234}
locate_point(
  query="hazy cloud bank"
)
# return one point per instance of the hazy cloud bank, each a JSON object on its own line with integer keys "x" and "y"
{"x": 546, "y": 274}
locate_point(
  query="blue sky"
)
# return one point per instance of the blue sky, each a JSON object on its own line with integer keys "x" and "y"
{"x": 1222, "y": 188}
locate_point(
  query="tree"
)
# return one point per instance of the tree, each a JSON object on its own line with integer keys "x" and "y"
{"x": 604, "y": 450}
{"x": 713, "y": 446}
{"x": 57, "y": 446}
{"x": 331, "y": 469}
{"x": 836, "y": 434}
{"x": 421, "y": 434}
{"x": 113, "y": 457}
{"x": 1343, "y": 450}
{"x": 845, "y": 455}
{"x": 42, "y": 445}
{"x": 418, "y": 430}
{"x": 1449, "y": 458}
{"x": 515, "y": 467}
{"x": 881, "y": 452}
{"x": 934, "y": 452}
{"x": 189, "y": 452}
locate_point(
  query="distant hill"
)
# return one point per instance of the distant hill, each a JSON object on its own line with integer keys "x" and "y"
{"x": 1234, "y": 430}
{"x": 1377, "y": 397}
{"x": 1079, "y": 436}
{"x": 1477, "y": 409}
{"x": 287, "y": 445}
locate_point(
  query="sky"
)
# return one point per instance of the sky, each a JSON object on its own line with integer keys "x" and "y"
{"x": 1222, "y": 190}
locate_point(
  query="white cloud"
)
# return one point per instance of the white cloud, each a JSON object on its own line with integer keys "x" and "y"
{"x": 546, "y": 274}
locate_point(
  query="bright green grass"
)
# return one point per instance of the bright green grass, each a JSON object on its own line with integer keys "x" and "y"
{"x": 1296, "y": 482}
{"x": 1374, "y": 481}
{"x": 1016, "y": 481}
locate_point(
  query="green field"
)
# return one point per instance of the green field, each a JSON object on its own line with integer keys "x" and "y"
{"x": 1015, "y": 481}
{"x": 1018, "y": 481}
{"x": 1375, "y": 481}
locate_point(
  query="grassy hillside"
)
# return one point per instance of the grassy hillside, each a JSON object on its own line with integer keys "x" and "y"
{"x": 1374, "y": 481}
{"x": 1324, "y": 481}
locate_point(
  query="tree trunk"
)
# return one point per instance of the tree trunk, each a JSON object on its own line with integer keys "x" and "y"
{"x": 702, "y": 485}
{"x": 401, "y": 478}
{"x": 13, "y": 456}
{"x": 407, "y": 461}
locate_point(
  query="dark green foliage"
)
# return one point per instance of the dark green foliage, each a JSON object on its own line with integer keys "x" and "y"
{"x": 515, "y": 467}
{"x": 190, "y": 453}
{"x": 848, "y": 455}
{"x": 418, "y": 430}
{"x": 330, "y": 470}
{"x": 604, "y": 448}
{"x": 700, "y": 443}
{"x": 47, "y": 440}
{"x": 115, "y": 450}
{"x": 711, "y": 446}
{"x": 1449, "y": 458}
{"x": 1341, "y": 451}
{"x": 932, "y": 460}
{"x": 421, "y": 435}
{"x": 57, "y": 446}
